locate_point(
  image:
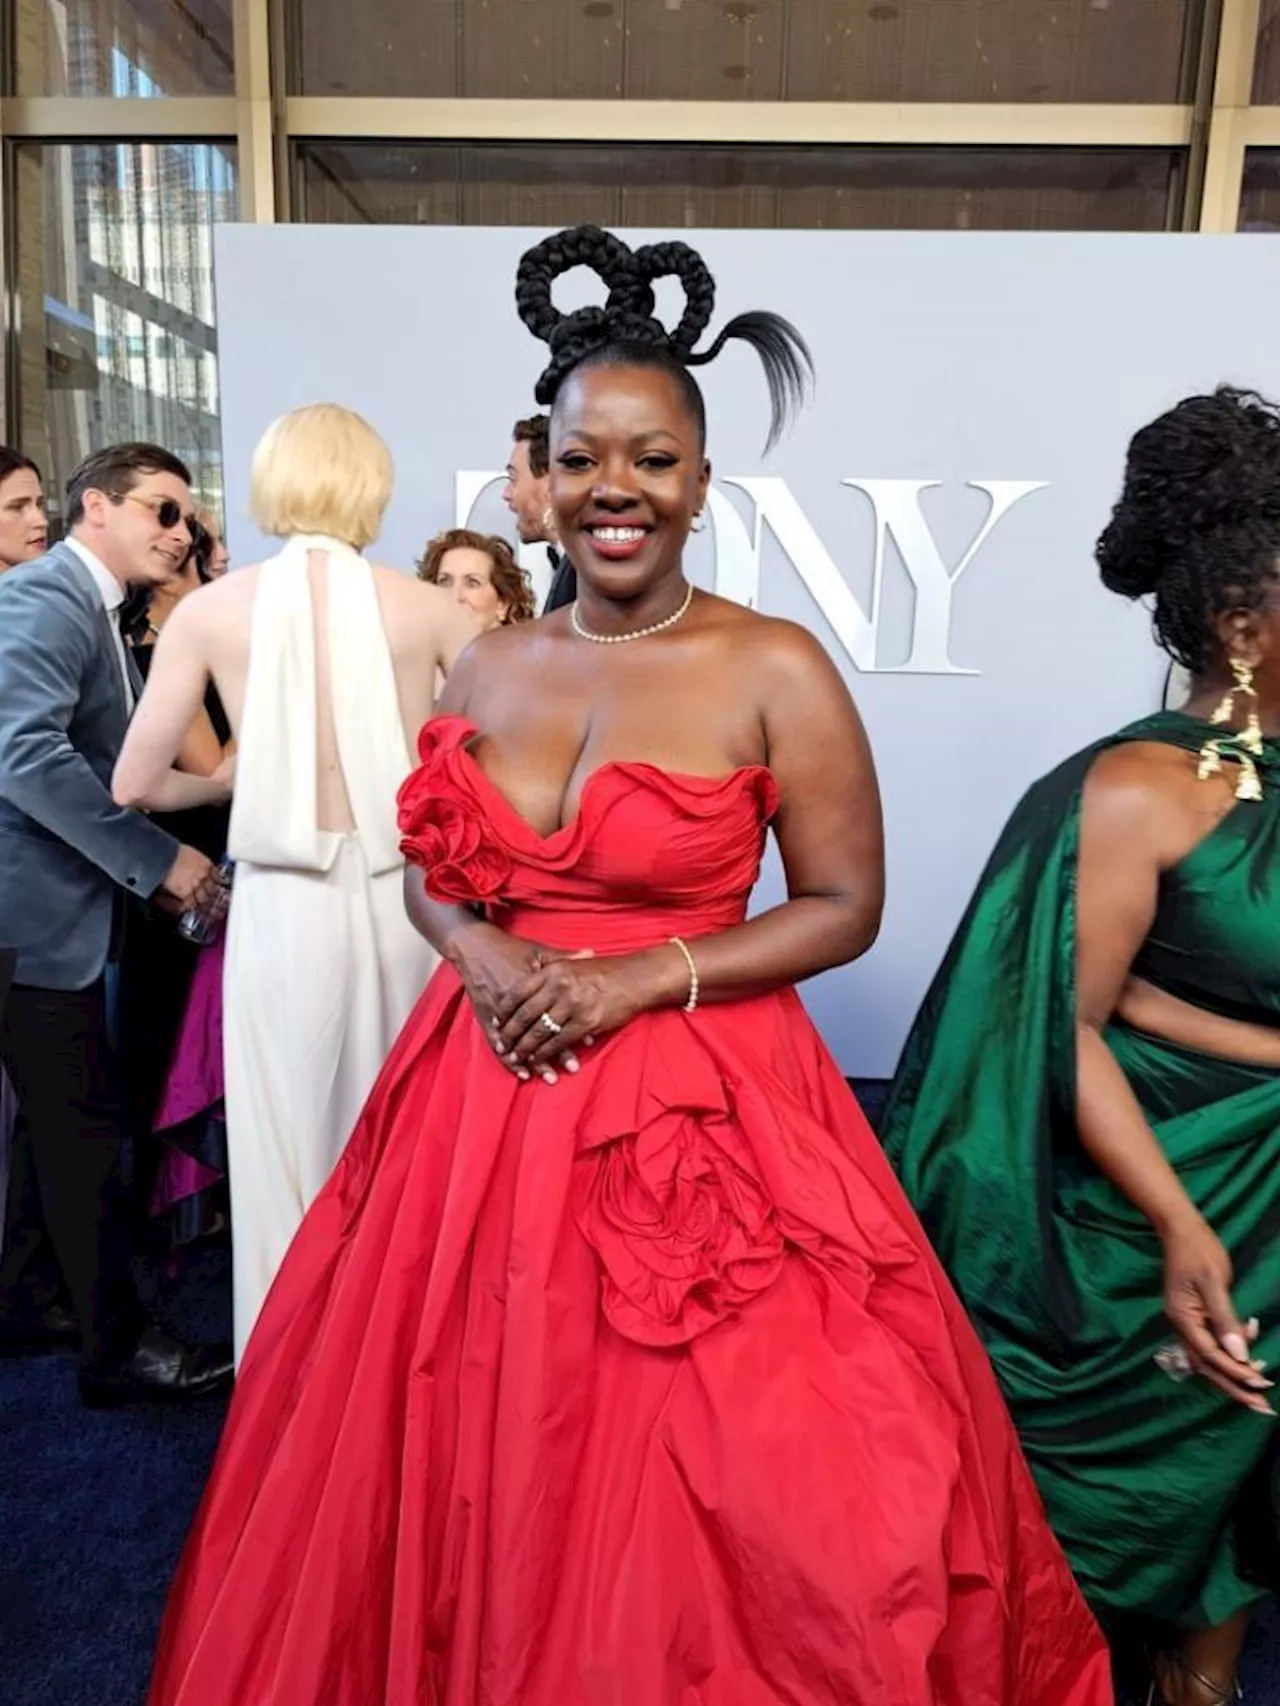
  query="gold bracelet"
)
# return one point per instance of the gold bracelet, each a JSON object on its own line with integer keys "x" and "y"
{"x": 691, "y": 1004}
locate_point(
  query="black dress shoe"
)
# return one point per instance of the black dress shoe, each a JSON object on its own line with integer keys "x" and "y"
{"x": 160, "y": 1370}
{"x": 55, "y": 1329}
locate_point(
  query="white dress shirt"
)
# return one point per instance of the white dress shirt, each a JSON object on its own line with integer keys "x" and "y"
{"x": 112, "y": 594}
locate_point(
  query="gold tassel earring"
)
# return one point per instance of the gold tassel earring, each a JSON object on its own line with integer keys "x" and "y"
{"x": 1240, "y": 748}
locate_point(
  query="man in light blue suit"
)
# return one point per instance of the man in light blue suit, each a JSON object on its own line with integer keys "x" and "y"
{"x": 69, "y": 857}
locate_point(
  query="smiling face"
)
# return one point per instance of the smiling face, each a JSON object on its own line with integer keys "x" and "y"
{"x": 24, "y": 528}
{"x": 628, "y": 476}
{"x": 143, "y": 536}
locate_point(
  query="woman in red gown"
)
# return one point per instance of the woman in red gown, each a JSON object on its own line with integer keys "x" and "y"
{"x": 611, "y": 1368}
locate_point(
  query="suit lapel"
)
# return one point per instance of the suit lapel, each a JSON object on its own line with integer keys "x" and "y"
{"x": 104, "y": 630}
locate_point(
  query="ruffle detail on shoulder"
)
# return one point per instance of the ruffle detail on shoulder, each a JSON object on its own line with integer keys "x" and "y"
{"x": 443, "y": 828}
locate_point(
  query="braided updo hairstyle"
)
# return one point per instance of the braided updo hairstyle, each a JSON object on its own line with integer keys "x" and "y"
{"x": 1197, "y": 527}
{"x": 625, "y": 331}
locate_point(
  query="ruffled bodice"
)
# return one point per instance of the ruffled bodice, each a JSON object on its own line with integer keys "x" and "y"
{"x": 650, "y": 853}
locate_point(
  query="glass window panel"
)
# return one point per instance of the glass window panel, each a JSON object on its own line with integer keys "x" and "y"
{"x": 840, "y": 188}
{"x": 1260, "y": 195}
{"x": 763, "y": 50}
{"x": 139, "y": 48}
{"x": 1266, "y": 67}
{"x": 115, "y": 287}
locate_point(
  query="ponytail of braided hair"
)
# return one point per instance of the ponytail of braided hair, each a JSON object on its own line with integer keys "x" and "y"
{"x": 626, "y": 330}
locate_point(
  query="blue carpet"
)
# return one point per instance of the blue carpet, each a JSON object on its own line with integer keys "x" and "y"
{"x": 94, "y": 1508}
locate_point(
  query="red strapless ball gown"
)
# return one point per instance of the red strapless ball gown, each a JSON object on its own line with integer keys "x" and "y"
{"x": 640, "y": 1390}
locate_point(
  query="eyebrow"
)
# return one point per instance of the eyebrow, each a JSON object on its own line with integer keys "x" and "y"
{"x": 640, "y": 438}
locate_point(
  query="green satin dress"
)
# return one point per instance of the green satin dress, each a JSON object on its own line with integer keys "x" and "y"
{"x": 1162, "y": 1493}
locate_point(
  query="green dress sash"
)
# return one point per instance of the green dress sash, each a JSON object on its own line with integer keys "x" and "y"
{"x": 1160, "y": 1492}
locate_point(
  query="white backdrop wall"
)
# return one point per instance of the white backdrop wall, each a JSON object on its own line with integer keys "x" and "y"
{"x": 931, "y": 517}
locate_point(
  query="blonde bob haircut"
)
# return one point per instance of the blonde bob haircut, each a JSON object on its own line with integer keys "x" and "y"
{"x": 321, "y": 469}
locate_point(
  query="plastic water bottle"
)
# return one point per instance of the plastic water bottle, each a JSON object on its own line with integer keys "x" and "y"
{"x": 202, "y": 925}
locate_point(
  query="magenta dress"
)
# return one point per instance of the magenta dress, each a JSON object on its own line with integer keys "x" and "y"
{"x": 190, "y": 1185}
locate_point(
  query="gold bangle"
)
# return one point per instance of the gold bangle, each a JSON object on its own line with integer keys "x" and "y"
{"x": 691, "y": 1004}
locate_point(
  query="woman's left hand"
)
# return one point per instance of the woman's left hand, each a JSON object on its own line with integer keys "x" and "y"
{"x": 584, "y": 996}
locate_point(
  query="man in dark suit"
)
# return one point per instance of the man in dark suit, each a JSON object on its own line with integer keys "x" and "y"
{"x": 527, "y": 495}
{"x": 68, "y": 858}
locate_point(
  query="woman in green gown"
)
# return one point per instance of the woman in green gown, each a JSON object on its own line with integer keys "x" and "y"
{"x": 1087, "y": 1112}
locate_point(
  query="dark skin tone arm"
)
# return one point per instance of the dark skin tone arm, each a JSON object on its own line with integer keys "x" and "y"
{"x": 1143, "y": 812}
{"x": 830, "y": 836}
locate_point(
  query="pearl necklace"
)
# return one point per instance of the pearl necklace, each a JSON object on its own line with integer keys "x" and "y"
{"x": 635, "y": 633}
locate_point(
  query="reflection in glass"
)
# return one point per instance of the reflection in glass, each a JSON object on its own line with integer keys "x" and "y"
{"x": 1266, "y": 67}
{"x": 115, "y": 269}
{"x": 138, "y": 48}
{"x": 1260, "y": 196}
{"x": 748, "y": 50}
{"x": 756, "y": 186}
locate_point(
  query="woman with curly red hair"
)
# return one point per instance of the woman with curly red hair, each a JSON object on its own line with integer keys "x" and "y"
{"x": 481, "y": 572}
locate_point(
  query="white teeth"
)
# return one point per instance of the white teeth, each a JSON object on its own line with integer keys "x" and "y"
{"x": 617, "y": 535}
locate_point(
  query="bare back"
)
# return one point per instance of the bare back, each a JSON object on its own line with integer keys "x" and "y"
{"x": 423, "y": 630}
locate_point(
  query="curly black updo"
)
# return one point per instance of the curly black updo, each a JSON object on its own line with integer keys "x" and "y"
{"x": 626, "y": 332}
{"x": 1197, "y": 527}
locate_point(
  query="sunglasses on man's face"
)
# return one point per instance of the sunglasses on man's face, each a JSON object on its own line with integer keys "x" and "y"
{"x": 167, "y": 511}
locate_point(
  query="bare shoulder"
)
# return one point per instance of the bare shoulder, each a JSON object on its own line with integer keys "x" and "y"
{"x": 412, "y": 599}
{"x": 218, "y": 604}
{"x": 779, "y": 651}
{"x": 399, "y": 584}
{"x": 514, "y": 647}
{"x": 1145, "y": 793}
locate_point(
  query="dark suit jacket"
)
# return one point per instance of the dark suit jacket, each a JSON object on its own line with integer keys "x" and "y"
{"x": 564, "y": 581}
{"x": 66, "y": 848}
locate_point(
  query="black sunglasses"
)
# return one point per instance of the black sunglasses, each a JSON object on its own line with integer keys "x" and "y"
{"x": 167, "y": 511}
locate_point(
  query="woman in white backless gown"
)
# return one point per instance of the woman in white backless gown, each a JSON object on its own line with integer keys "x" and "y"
{"x": 323, "y": 966}
{"x": 326, "y": 667}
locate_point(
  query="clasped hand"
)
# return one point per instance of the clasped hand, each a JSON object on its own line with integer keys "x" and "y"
{"x": 537, "y": 1005}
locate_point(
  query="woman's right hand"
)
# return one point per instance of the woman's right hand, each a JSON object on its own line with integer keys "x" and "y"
{"x": 491, "y": 963}
{"x": 1197, "y": 1300}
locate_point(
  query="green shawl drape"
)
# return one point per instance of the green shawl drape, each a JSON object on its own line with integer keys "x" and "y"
{"x": 1158, "y": 1491}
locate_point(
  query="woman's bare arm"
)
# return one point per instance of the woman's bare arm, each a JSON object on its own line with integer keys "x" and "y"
{"x": 201, "y": 751}
{"x": 829, "y": 829}
{"x": 1131, "y": 830}
{"x": 144, "y": 775}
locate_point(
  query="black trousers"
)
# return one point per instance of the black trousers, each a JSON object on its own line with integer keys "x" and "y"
{"x": 67, "y": 1230}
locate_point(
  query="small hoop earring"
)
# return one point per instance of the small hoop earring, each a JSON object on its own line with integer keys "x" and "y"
{"x": 698, "y": 524}
{"x": 1242, "y": 747}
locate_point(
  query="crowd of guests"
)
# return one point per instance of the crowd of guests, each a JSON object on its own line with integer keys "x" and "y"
{"x": 149, "y": 1022}
{"x": 588, "y": 1344}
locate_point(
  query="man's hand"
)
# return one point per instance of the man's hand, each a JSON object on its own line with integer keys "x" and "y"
{"x": 191, "y": 880}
